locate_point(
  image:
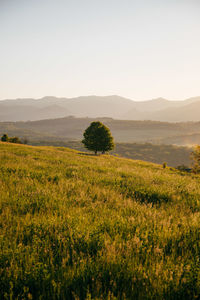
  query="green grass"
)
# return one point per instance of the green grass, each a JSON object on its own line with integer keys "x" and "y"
{"x": 173, "y": 155}
{"x": 78, "y": 226}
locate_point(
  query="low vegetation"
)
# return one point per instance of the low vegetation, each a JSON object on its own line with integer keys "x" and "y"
{"x": 80, "y": 226}
{"x": 13, "y": 139}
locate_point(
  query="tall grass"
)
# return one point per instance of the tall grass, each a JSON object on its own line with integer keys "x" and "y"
{"x": 76, "y": 226}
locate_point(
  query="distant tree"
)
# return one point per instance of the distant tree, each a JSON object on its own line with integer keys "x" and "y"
{"x": 183, "y": 168}
{"x": 196, "y": 159}
{"x": 15, "y": 140}
{"x": 4, "y": 138}
{"x": 97, "y": 137}
{"x": 24, "y": 141}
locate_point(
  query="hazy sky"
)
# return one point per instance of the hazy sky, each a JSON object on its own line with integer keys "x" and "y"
{"x": 140, "y": 49}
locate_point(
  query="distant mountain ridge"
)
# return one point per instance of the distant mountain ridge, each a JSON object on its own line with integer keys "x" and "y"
{"x": 114, "y": 106}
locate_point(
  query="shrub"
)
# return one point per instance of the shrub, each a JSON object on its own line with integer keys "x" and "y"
{"x": 4, "y": 138}
{"x": 14, "y": 139}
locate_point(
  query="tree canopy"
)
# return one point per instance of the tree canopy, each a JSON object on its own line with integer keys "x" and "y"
{"x": 97, "y": 137}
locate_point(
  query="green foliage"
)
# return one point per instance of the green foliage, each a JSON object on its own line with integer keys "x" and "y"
{"x": 97, "y": 137}
{"x": 14, "y": 139}
{"x": 184, "y": 168}
{"x": 79, "y": 226}
{"x": 4, "y": 138}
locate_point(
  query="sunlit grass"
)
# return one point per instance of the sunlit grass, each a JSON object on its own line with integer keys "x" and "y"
{"x": 76, "y": 226}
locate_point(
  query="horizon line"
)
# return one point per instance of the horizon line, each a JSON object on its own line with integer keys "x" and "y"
{"x": 98, "y": 96}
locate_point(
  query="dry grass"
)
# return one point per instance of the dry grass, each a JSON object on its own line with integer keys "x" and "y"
{"x": 76, "y": 226}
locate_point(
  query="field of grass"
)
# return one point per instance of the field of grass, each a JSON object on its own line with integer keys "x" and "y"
{"x": 78, "y": 226}
{"x": 173, "y": 155}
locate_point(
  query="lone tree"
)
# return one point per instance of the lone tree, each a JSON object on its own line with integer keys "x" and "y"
{"x": 97, "y": 137}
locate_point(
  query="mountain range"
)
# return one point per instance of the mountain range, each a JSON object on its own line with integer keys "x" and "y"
{"x": 117, "y": 107}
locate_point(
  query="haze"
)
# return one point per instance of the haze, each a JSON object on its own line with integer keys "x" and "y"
{"x": 138, "y": 49}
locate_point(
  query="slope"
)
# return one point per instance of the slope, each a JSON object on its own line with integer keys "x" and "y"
{"x": 76, "y": 226}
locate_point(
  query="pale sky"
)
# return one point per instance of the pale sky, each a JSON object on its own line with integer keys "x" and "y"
{"x": 140, "y": 49}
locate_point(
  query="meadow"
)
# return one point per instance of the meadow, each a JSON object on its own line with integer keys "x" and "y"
{"x": 79, "y": 226}
{"x": 173, "y": 155}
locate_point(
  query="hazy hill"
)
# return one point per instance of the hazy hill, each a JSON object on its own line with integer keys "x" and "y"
{"x": 96, "y": 227}
{"x": 95, "y": 106}
{"x": 142, "y": 109}
{"x": 188, "y": 112}
{"x": 91, "y": 106}
{"x": 181, "y": 140}
{"x": 28, "y": 112}
{"x": 71, "y": 128}
{"x": 166, "y": 111}
{"x": 146, "y": 140}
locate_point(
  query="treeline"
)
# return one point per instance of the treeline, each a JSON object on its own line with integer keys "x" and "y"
{"x": 14, "y": 139}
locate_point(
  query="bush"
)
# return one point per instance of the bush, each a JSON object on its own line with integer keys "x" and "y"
{"x": 183, "y": 168}
{"x": 14, "y": 139}
{"x": 4, "y": 138}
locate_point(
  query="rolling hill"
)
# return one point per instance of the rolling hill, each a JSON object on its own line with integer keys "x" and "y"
{"x": 71, "y": 128}
{"x": 123, "y": 130}
{"x": 81, "y": 226}
{"x": 147, "y": 140}
{"x": 96, "y": 106}
{"x": 189, "y": 112}
{"x": 172, "y": 155}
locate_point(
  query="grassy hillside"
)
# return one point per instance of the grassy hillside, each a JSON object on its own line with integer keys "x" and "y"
{"x": 173, "y": 155}
{"x": 77, "y": 226}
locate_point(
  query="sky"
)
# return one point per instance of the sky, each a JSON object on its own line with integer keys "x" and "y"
{"x": 139, "y": 49}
